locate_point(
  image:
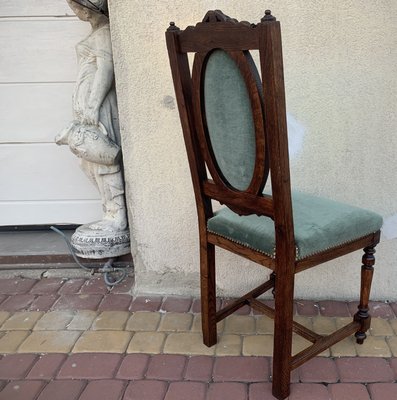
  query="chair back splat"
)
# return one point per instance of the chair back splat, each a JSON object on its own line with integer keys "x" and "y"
{"x": 233, "y": 119}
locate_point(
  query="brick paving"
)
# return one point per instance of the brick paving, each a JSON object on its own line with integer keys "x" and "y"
{"x": 76, "y": 340}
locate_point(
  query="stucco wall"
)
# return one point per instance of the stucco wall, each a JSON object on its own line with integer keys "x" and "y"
{"x": 340, "y": 71}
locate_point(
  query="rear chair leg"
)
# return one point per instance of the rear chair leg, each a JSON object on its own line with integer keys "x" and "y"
{"x": 283, "y": 321}
{"x": 208, "y": 293}
{"x": 367, "y": 271}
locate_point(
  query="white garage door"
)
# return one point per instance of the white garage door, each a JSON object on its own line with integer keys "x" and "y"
{"x": 40, "y": 183}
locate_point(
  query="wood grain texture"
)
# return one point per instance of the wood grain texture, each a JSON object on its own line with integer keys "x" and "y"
{"x": 242, "y": 251}
{"x": 367, "y": 272}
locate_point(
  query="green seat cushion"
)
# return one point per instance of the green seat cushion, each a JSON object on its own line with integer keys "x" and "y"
{"x": 319, "y": 224}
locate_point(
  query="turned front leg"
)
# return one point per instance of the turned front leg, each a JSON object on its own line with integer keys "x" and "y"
{"x": 367, "y": 271}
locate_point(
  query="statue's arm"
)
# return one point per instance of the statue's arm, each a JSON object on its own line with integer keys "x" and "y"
{"x": 103, "y": 82}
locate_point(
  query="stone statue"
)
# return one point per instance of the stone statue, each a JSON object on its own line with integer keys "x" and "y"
{"x": 94, "y": 135}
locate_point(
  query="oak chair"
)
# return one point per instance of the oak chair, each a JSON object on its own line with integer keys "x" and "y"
{"x": 234, "y": 126}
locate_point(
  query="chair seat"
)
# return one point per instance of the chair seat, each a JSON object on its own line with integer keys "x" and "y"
{"x": 319, "y": 224}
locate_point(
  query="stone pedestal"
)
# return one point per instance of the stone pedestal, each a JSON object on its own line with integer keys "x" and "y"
{"x": 92, "y": 243}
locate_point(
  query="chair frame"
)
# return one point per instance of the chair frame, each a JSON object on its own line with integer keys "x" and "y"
{"x": 217, "y": 31}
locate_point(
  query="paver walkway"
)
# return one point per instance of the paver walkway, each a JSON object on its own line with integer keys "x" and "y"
{"x": 75, "y": 340}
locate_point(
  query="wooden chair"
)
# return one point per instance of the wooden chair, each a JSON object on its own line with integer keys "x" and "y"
{"x": 234, "y": 126}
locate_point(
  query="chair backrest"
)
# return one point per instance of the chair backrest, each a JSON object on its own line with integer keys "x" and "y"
{"x": 234, "y": 146}
{"x": 234, "y": 123}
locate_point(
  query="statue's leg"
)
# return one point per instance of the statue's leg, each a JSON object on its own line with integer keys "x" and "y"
{"x": 91, "y": 170}
{"x": 110, "y": 185}
{"x": 113, "y": 199}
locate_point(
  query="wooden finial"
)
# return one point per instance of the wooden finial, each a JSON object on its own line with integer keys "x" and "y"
{"x": 172, "y": 27}
{"x": 268, "y": 17}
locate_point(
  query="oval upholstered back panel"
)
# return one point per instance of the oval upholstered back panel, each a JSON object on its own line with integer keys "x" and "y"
{"x": 229, "y": 119}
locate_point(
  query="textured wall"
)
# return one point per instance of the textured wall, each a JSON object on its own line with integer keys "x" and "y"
{"x": 340, "y": 71}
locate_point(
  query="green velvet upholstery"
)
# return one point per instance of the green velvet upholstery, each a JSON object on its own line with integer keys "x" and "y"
{"x": 319, "y": 224}
{"x": 229, "y": 119}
